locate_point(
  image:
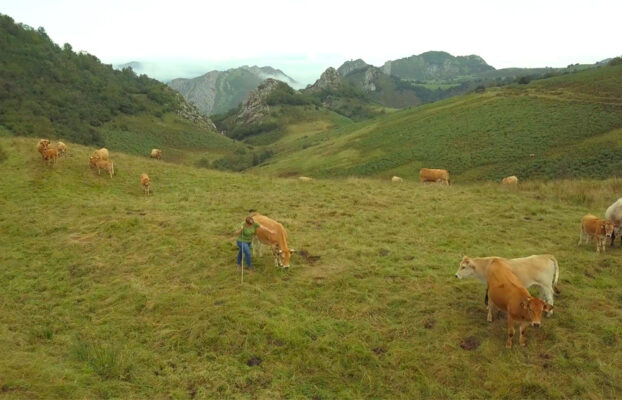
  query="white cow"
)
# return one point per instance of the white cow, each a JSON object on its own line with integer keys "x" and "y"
{"x": 614, "y": 214}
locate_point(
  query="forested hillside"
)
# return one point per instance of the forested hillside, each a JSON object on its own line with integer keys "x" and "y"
{"x": 51, "y": 91}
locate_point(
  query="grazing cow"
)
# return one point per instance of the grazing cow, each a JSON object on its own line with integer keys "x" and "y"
{"x": 396, "y": 179}
{"x": 538, "y": 270}
{"x": 510, "y": 180}
{"x": 276, "y": 240}
{"x": 305, "y": 179}
{"x": 434, "y": 175}
{"x": 597, "y": 228}
{"x": 614, "y": 214}
{"x": 62, "y": 148}
{"x": 102, "y": 164}
{"x": 101, "y": 154}
{"x": 145, "y": 182}
{"x": 50, "y": 154}
{"x": 156, "y": 153}
{"x": 507, "y": 294}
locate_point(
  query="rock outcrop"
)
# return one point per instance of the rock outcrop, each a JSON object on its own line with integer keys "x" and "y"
{"x": 329, "y": 80}
{"x": 256, "y": 107}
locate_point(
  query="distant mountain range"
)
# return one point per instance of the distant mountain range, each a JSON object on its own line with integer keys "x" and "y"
{"x": 218, "y": 91}
{"x": 405, "y": 82}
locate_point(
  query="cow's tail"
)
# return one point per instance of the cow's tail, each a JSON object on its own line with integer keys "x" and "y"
{"x": 556, "y": 275}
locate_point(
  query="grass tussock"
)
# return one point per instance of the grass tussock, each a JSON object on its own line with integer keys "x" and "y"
{"x": 108, "y": 293}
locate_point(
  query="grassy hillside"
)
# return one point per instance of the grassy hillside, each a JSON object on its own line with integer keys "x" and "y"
{"x": 572, "y": 125}
{"x": 111, "y": 294}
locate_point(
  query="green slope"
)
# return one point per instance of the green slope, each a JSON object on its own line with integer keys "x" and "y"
{"x": 107, "y": 293}
{"x": 571, "y": 124}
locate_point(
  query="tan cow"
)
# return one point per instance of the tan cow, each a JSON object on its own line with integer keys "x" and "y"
{"x": 614, "y": 214}
{"x": 539, "y": 270}
{"x": 510, "y": 180}
{"x": 305, "y": 179}
{"x": 396, "y": 179}
{"x": 597, "y": 228}
{"x": 145, "y": 182}
{"x": 108, "y": 165}
{"x": 62, "y": 148}
{"x": 101, "y": 154}
{"x": 507, "y": 294}
{"x": 434, "y": 175}
{"x": 50, "y": 154}
{"x": 156, "y": 153}
{"x": 277, "y": 240}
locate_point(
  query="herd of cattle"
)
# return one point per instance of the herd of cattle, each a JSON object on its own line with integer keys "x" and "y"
{"x": 507, "y": 280}
{"x": 442, "y": 176}
{"x": 100, "y": 159}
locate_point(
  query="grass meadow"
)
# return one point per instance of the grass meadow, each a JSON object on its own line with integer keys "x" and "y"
{"x": 107, "y": 293}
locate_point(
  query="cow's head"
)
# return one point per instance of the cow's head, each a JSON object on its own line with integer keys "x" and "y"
{"x": 92, "y": 161}
{"x": 534, "y": 307}
{"x": 608, "y": 228}
{"x": 466, "y": 269}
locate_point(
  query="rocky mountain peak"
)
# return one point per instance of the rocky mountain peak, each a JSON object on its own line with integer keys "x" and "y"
{"x": 255, "y": 106}
{"x": 329, "y": 80}
{"x": 352, "y": 65}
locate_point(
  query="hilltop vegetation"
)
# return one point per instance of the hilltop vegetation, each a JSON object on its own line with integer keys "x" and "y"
{"x": 127, "y": 296}
{"x": 49, "y": 91}
{"x": 572, "y": 124}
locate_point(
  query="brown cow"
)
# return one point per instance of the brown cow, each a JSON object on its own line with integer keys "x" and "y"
{"x": 277, "y": 239}
{"x": 145, "y": 182}
{"x": 434, "y": 175}
{"x": 42, "y": 145}
{"x": 510, "y": 180}
{"x": 102, "y": 164}
{"x": 50, "y": 154}
{"x": 156, "y": 153}
{"x": 597, "y": 228}
{"x": 507, "y": 294}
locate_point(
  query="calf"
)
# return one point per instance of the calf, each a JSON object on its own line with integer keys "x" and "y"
{"x": 49, "y": 154}
{"x": 507, "y": 294}
{"x": 145, "y": 182}
{"x": 597, "y": 228}
{"x": 539, "y": 270}
{"x": 102, "y": 164}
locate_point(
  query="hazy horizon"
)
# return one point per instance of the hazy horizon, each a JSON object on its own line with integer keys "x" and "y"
{"x": 304, "y": 38}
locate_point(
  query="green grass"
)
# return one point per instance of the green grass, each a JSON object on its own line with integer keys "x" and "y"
{"x": 107, "y": 293}
{"x": 485, "y": 136}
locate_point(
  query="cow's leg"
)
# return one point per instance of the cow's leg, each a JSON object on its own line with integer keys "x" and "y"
{"x": 580, "y": 237}
{"x": 508, "y": 344}
{"x": 491, "y": 311}
{"x": 521, "y": 334}
{"x": 613, "y": 238}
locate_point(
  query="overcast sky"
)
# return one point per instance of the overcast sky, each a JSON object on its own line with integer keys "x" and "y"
{"x": 305, "y": 37}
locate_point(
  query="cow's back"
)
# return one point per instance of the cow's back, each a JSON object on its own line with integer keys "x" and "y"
{"x": 504, "y": 287}
{"x": 278, "y": 237}
{"x": 614, "y": 212}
